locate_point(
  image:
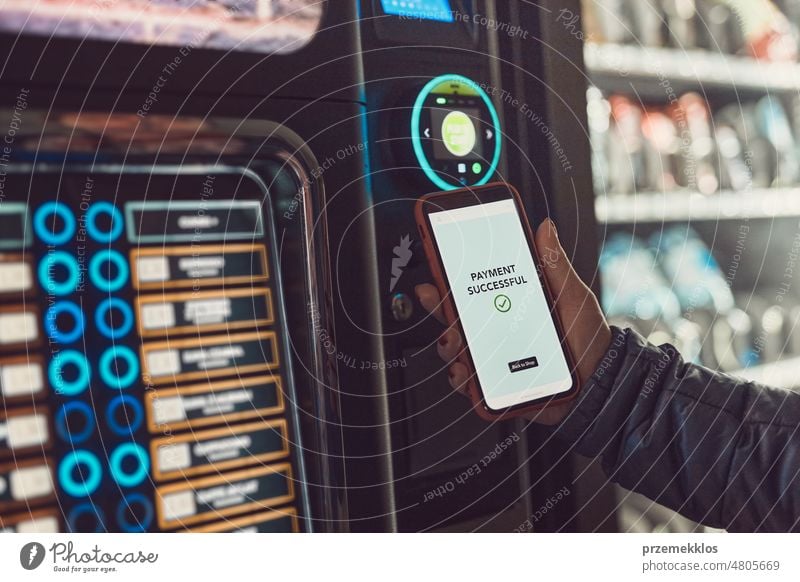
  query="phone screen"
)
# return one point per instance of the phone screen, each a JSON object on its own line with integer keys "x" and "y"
{"x": 503, "y": 309}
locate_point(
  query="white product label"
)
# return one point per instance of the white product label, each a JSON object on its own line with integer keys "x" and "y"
{"x": 169, "y": 409}
{"x": 152, "y": 269}
{"x": 27, "y": 431}
{"x": 30, "y": 483}
{"x": 164, "y": 362}
{"x": 202, "y": 267}
{"x": 174, "y": 457}
{"x": 208, "y": 311}
{"x": 158, "y": 315}
{"x": 15, "y": 277}
{"x": 213, "y": 357}
{"x": 193, "y": 221}
{"x": 38, "y": 525}
{"x": 18, "y": 327}
{"x": 178, "y": 505}
{"x": 21, "y": 379}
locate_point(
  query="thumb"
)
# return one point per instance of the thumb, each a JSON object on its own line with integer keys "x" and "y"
{"x": 561, "y": 277}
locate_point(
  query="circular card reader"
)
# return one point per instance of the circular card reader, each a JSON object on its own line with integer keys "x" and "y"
{"x": 455, "y": 131}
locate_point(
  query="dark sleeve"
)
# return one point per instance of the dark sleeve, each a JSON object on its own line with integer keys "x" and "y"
{"x": 721, "y": 451}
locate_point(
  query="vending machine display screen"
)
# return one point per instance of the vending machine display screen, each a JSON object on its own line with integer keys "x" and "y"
{"x": 438, "y": 10}
{"x": 143, "y": 357}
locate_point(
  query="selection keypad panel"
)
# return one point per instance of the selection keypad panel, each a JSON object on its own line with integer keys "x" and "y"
{"x": 142, "y": 358}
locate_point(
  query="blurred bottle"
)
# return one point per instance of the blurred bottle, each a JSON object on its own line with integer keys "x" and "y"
{"x": 633, "y": 285}
{"x": 793, "y": 326}
{"x": 734, "y": 171}
{"x": 648, "y": 21}
{"x": 759, "y": 153}
{"x": 599, "y": 117}
{"x": 767, "y": 32}
{"x": 732, "y": 343}
{"x": 662, "y": 147}
{"x": 681, "y": 23}
{"x": 692, "y": 270}
{"x": 773, "y": 124}
{"x": 627, "y": 171}
{"x": 612, "y": 20}
{"x": 771, "y": 325}
{"x": 719, "y": 29}
{"x": 698, "y": 155}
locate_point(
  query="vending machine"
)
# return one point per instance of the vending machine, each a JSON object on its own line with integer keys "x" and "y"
{"x": 208, "y": 255}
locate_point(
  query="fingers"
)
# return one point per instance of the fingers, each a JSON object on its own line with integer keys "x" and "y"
{"x": 430, "y": 299}
{"x": 449, "y": 344}
{"x": 458, "y": 376}
{"x": 564, "y": 281}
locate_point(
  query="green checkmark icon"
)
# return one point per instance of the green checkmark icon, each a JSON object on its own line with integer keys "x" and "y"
{"x": 502, "y": 303}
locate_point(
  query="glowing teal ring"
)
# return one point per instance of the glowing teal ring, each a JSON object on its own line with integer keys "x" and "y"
{"x": 416, "y": 138}
{"x": 97, "y": 277}
{"x": 142, "y": 469}
{"x": 94, "y": 473}
{"x": 106, "y": 366}
{"x": 56, "y": 369}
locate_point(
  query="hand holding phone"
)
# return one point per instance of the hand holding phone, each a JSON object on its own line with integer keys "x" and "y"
{"x": 575, "y": 331}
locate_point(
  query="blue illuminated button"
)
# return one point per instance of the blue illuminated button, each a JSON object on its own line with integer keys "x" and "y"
{"x": 129, "y": 464}
{"x": 45, "y": 223}
{"x": 134, "y": 513}
{"x": 69, "y": 373}
{"x": 124, "y": 415}
{"x": 115, "y": 375}
{"x": 115, "y": 222}
{"x": 51, "y": 280}
{"x": 86, "y": 518}
{"x": 57, "y": 329}
{"x": 75, "y": 422}
{"x": 114, "y": 318}
{"x": 80, "y": 473}
{"x": 108, "y": 270}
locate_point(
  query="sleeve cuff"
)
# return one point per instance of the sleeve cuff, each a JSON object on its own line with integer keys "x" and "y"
{"x": 594, "y": 394}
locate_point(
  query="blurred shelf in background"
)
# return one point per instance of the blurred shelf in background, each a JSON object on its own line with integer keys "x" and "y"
{"x": 611, "y": 66}
{"x": 682, "y": 206}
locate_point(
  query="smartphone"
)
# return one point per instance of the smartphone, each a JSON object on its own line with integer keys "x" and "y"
{"x": 484, "y": 261}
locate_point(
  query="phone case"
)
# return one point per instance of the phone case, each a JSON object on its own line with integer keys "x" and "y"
{"x": 449, "y": 309}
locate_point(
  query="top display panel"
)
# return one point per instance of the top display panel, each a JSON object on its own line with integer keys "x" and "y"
{"x": 257, "y": 26}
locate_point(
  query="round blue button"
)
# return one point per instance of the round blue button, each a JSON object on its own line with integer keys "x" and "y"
{"x": 115, "y": 217}
{"x": 47, "y": 273}
{"x": 55, "y": 373}
{"x": 126, "y": 477}
{"x": 134, "y": 513}
{"x": 71, "y": 409}
{"x": 47, "y": 233}
{"x": 58, "y": 334}
{"x": 134, "y": 415}
{"x": 109, "y": 367}
{"x": 88, "y": 470}
{"x": 99, "y": 277}
{"x": 86, "y": 509}
{"x": 111, "y": 326}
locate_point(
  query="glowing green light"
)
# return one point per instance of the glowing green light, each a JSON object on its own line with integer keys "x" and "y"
{"x": 441, "y": 100}
{"x": 458, "y": 133}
